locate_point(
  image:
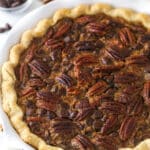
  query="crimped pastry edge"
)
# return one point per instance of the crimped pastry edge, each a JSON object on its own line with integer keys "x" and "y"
{"x": 8, "y": 76}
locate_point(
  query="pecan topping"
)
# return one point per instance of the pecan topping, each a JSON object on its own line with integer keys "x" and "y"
{"x": 30, "y": 54}
{"x": 62, "y": 130}
{"x": 63, "y": 28}
{"x": 98, "y": 28}
{"x": 83, "y": 76}
{"x": 124, "y": 78}
{"x": 73, "y": 91}
{"x": 88, "y": 45}
{"x": 138, "y": 60}
{"x": 23, "y": 72}
{"x": 82, "y": 104}
{"x": 46, "y": 105}
{"x": 65, "y": 80}
{"x": 117, "y": 53}
{"x": 113, "y": 107}
{"x": 34, "y": 119}
{"x": 39, "y": 68}
{"x": 136, "y": 107}
{"x": 126, "y": 36}
{"x": 109, "y": 68}
{"x": 84, "y": 20}
{"x": 53, "y": 44}
{"x": 82, "y": 114}
{"x": 82, "y": 142}
{"x": 109, "y": 124}
{"x": 49, "y": 33}
{"x": 34, "y": 82}
{"x": 27, "y": 91}
{"x": 84, "y": 110}
{"x": 47, "y": 96}
{"x": 127, "y": 95}
{"x": 97, "y": 89}
{"x": 86, "y": 59}
{"x": 127, "y": 128}
{"x": 106, "y": 142}
{"x": 146, "y": 92}
{"x": 145, "y": 38}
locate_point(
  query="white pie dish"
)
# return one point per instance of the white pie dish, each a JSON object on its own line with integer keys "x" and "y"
{"x": 24, "y": 24}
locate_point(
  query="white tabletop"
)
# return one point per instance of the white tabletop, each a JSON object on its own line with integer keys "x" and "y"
{"x": 12, "y": 18}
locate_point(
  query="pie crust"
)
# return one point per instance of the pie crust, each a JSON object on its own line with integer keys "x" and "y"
{"x": 8, "y": 76}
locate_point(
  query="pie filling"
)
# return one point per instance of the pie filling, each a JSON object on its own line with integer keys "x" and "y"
{"x": 85, "y": 85}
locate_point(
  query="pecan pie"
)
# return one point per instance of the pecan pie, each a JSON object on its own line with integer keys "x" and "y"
{"x": 81, "y": 81}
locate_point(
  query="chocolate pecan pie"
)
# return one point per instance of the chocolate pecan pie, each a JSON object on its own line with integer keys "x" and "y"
{"x": 81, "y": 81}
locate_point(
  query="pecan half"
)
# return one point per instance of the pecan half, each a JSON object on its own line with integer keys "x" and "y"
{"x": 34, "y": 119}
{"x": 39, "y": 68}
{"x": 113, "y": 107}
{"x": 98, "y": 88}
{"x": 23, "y": 72}
{"x": 27, "y": 91}
{"x": 98, "y": 28}
{"x": 82, "y": 20}
{"x": 127, "y": 94}
{"x": 62, "y": 130}
{"x": 90, "y": 45}
{"x": 83, "y": 76}
{"x": 49, "y": 33}
{"x": 46, "y": 105}
{"x": 84, "y": 103}
{"x": 63, "y": 28}
{"x": 84, "y": 113}
{"x": 73, "y": 91}
{"x": 146, "y": 93}
{"x": 53, "y": 44}
{"x": 109, "y": 68}
{"x": 30, "y": 53}
{"x": 116, "y": 52}
{"x": 109, "y": 124}
{"x": 127, "y": 128}
{"x": 135, "y": 107}
{"x": 144, "y": 38}
{"x": 65, "y": 80}
{"x": 126, "y": 36}
{"x": 140, "y": 60}
{"x": 84, "y": 110}
{"x": 82, "y": 142}
{"x": 105, "y": 142}
{"x": 35, "y": 82}
{"x": 47, "y": 96}
{"x": 124, "y": 78}
{"x": 86, "y": 59}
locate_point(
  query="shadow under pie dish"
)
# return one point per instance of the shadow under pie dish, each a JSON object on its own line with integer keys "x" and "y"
{"x": 80, "y": 81}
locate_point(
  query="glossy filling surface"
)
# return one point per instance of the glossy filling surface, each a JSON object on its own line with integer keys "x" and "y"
{"x": 85, "y": 85}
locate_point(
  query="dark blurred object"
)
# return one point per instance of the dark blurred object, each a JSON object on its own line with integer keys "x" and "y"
{"x": 6, "y": 28}
{"x": 46, "y": 1}
{"x": 11, "y": 3}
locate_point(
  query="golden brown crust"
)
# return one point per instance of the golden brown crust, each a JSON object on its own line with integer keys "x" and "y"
{"x": 8, "y": 77}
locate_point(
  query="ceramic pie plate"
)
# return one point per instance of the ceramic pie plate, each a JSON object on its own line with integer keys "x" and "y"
{"x": 26, "y": 23}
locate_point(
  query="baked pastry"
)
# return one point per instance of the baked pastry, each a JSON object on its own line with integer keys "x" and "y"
{"x": 80, "y": 80}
